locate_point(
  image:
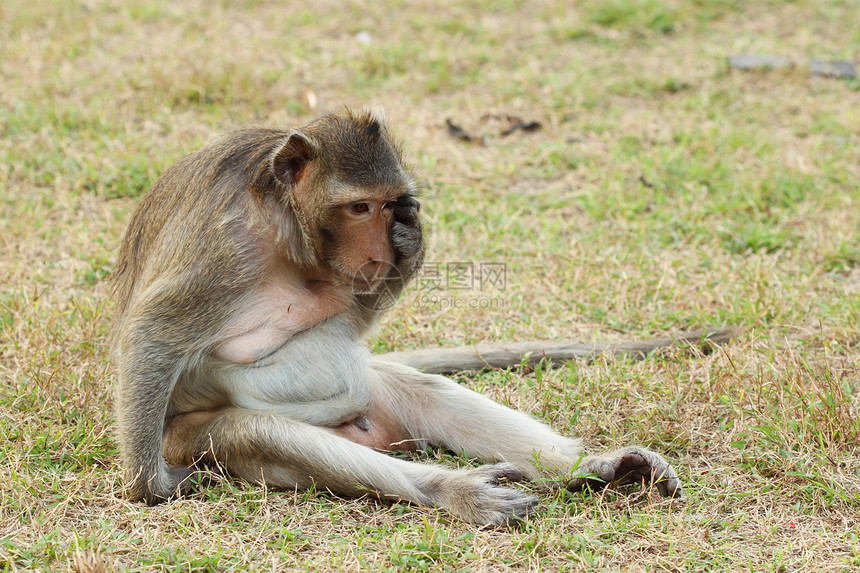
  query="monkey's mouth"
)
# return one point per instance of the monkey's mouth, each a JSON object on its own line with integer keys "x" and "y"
{"x": 361, "y": 284}
{"x": 366, "y": 279}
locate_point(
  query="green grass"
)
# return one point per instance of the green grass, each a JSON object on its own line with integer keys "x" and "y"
{"x": 664, "y": 192}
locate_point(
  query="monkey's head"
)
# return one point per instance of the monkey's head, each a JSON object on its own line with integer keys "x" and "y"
{"x": 348, "y": 188}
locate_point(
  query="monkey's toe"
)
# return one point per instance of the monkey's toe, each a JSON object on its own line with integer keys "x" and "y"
{"x": 478, "y": 496}
{"x": 504, "y": 507}
{"x": 520, "y": 509}
{"x": 493, "y": 473}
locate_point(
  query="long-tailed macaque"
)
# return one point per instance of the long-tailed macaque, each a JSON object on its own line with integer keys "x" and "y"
{"x": 245, "y": 281}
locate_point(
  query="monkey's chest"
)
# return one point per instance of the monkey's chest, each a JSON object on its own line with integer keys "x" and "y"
{"x": 274, "y": 315}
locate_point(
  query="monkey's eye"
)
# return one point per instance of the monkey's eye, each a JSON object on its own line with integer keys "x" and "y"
{"x": 388, "y": 206}
{"x": 359, "y": 208}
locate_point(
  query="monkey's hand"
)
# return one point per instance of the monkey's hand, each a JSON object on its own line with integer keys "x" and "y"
{"x": 175, "y": 482}
{"x": 477, "y": 496}
{"x": 625, "y": 466}
{"x": 407, "y": 238}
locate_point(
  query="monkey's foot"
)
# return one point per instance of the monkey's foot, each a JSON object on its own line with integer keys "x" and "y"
{"x": 625, "y": 466}
{"x": 477, "y": 496}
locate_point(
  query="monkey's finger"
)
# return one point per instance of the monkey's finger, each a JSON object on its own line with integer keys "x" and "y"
{"x": 595, "y": 473}
{"x": 189, "y": 478}
{"x": 670, "y": 488}
{"x": 581, "y": 483}
{"x": 594, "y": 483}
{"x": 407, "y": 202}
{"x": 606, "y": 470}
{"x": 513, "y": 475}
{"x": 179, "y": 482}
{"x": 405, "y": 240}
{"x": 495, "y": 472}
{"x": 668, "y": 483}
{"x": 185, "y": 477}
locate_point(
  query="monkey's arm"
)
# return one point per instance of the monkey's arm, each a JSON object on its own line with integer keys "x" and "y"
{"x": 508, "y": 355}
{"x": 147, "y": 372}
{"x": 167, "y": 329}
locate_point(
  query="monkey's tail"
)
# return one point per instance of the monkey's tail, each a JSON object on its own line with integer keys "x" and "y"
{"x": 511, "y": 354}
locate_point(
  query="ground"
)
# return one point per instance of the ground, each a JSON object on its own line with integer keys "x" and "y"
{"x": 664, "y": 191}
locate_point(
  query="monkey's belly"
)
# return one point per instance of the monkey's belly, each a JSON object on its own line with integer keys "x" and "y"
{"x": 376, "y": 431}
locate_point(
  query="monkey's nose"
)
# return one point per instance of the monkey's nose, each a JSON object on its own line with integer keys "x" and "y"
{"x": 372, "y": 270}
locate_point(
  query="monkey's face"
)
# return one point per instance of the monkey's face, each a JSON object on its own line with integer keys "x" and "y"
{"x": 357, "y": 241}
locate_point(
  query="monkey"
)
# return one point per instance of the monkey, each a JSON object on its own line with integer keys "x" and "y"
{"x": 246, "y": 281}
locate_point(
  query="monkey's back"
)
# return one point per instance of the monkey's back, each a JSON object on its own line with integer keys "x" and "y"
{"x": 174, "y": 220}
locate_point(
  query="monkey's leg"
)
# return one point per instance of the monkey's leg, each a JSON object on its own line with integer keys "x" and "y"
{"x": 437, "y": 410}
{"x": 267, "y": 448}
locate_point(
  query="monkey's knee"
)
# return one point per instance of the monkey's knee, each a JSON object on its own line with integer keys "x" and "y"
{"x": 187, "y": 439}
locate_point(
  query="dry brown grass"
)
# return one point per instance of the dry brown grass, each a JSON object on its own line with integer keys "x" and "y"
{"x": 664, "y": 192}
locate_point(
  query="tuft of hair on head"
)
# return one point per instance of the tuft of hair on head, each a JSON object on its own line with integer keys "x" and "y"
{"x": 368, "y": 121}
{"x": 378, "y": 112}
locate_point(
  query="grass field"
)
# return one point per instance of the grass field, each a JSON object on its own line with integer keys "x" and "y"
{"x": 664, "y": 192}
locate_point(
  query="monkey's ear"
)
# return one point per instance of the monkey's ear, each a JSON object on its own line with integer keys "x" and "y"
{"x": 290, "y": 161}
